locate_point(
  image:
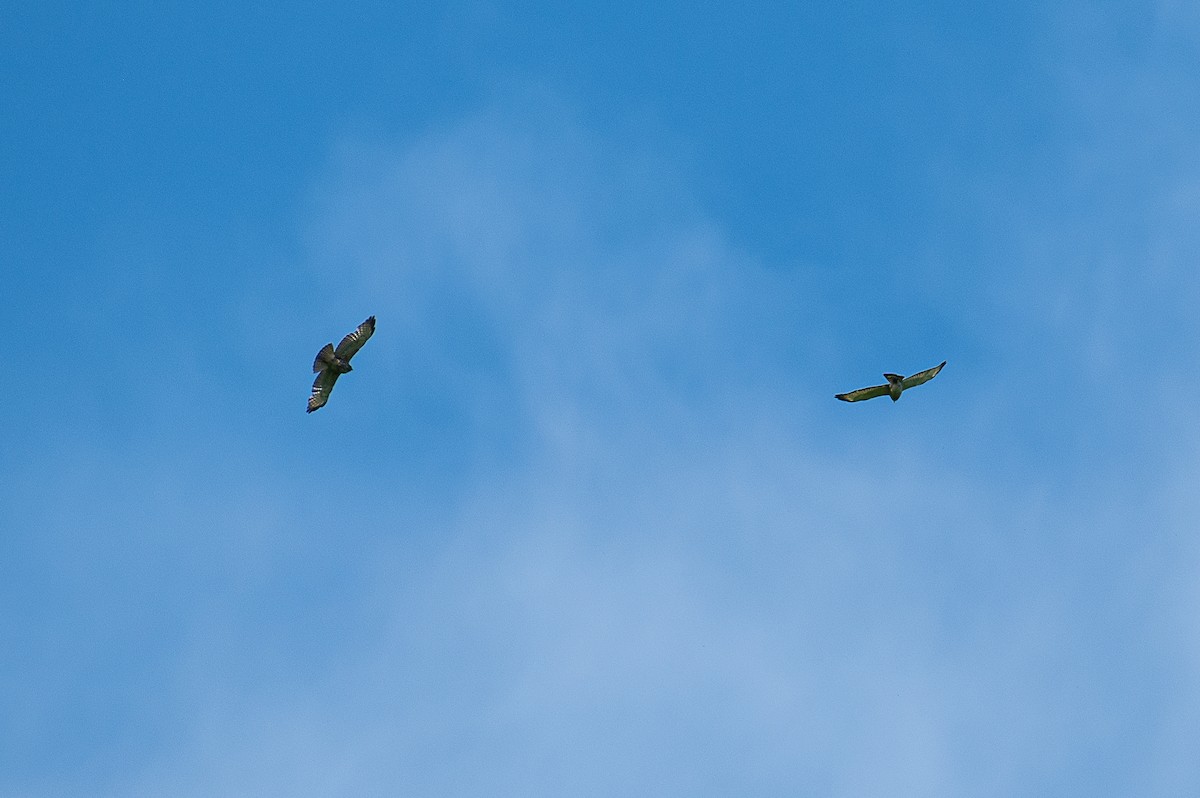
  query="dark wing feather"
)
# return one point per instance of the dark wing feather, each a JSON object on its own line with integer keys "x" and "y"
{"x": 354, "y": 341}
{"x": 922, "y": 376}
{"x": 863, "y": 393}
{"x": 322, "y": 385}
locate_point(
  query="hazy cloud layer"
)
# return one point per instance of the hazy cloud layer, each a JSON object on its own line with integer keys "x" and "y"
{"x": 671, "y": 568}
{"x": 586, "y": 518}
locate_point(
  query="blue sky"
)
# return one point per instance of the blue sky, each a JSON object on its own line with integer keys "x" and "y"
{"x": 586, "y": 519}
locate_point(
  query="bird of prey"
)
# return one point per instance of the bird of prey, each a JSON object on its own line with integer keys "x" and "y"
{"x": 895, "y": 385}
{"x": 332, "y": 363}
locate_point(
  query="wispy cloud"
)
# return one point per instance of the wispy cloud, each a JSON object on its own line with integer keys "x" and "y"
{"x": 668, "y": 578}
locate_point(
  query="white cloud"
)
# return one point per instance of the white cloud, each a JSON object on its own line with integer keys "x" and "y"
{"x": 677, "y": 585}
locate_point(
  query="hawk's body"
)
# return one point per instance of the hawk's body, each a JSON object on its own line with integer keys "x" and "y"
{"x": 332, "y": 363}
{"x": 896, "y": 384}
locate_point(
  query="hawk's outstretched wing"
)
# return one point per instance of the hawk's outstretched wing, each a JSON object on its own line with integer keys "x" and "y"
{"x": 322, "y": 385}
{"x": 354, "y": 341}
{"x": 922, "y": 376}
{"x": 863, "y": 393}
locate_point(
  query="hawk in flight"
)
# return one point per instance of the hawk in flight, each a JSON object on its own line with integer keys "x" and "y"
{"x": 332, "y": 363}
{"x": 895, "y": 385}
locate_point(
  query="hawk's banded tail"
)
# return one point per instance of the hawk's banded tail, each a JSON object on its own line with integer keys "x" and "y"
{"x": 324, "y": 358}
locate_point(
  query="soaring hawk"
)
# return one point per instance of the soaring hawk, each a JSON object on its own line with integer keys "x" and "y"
{"x": 895, "y": 385}
{"x": 332, "y": 363}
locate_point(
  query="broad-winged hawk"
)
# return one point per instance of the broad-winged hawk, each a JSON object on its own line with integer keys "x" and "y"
{"x": 895, "y": 385}
{"x": 332, "y": 363}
